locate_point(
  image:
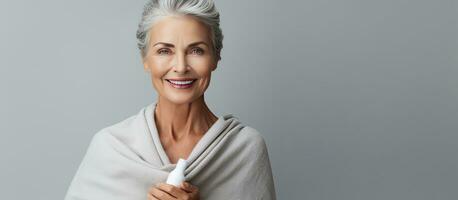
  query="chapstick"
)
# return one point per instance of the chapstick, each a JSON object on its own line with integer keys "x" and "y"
{"x": 176, "y": 176}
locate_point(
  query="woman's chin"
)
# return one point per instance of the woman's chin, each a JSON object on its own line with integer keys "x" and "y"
{"x": 181, "y": 98}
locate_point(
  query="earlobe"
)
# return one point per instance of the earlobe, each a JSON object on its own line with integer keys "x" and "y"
{"x": 146, "y": 68}
{"x": 145, "y": 65}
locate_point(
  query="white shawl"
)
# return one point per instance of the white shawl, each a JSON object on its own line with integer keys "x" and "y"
{"x": 122, "y": 161}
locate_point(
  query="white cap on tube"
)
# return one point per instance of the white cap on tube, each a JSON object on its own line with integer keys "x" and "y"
{"x": 176, "y": 176}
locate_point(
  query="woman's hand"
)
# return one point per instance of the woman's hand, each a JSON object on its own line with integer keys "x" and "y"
{"x": 163, "y": 191}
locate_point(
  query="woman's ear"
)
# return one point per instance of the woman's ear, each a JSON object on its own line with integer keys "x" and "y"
{"x": 146, "y": 68}
{"x": 215, "y": 65}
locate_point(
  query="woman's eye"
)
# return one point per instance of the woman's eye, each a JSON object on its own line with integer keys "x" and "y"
{"x": 199, "y": 51}
{"x": 163, "y": 51}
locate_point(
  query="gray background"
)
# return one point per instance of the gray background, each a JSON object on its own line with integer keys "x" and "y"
{"x": 356, "y": 99}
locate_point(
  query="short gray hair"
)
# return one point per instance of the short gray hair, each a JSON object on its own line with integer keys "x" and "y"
{"x": 204, "y": 10}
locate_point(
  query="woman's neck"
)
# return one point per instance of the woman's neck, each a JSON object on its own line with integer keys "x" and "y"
{"x": 178, "y": 121}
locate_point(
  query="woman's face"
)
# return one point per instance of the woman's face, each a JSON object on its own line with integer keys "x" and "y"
{"x": 180, "y": 48}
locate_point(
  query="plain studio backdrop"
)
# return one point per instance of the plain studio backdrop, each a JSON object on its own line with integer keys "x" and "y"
{"x": 356, "y": 99}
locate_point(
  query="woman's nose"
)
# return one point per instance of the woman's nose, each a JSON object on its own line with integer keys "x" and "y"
{"x": 181, "y": 65}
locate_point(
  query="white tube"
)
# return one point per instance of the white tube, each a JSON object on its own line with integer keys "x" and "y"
{"x": 176, "y": 176}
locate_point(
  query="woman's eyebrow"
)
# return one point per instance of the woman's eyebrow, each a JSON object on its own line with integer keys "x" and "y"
{"x": 197, "y": 43}
{"x": 190, "y": 45}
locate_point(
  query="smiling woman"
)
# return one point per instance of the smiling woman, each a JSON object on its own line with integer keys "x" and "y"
{"x": 180, "y": 51}
{"x": 180, "y": 44}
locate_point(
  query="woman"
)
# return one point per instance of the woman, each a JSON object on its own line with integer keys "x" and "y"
{"x": 180, "y": 43}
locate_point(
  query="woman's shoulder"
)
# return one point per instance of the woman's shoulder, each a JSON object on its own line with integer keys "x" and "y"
{"x": 251, "y": 133}
{"x": 245, "y": 132}
{"x": 252, "y": 137}
{"x": 252, "y": 145}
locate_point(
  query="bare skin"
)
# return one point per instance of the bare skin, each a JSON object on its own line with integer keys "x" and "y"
{"x": 179, "y": 140}
{"x": 163, "y": 191}
{"x": 182, "y": 116}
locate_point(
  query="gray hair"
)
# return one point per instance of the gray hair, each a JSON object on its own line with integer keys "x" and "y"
{"x": 204, "y": 10}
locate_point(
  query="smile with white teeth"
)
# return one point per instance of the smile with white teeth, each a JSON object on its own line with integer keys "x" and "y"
{"x": 181, "y": 84}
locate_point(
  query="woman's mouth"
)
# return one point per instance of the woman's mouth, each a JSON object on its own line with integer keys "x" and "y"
{"x": 181, "y": 84}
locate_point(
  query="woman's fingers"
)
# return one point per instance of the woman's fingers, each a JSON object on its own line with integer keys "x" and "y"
{"x": 189, "y": 187}
{"x": 157, "y": 193}
{"x": 151, "y": 197}
{"x": 192, "y": 190}
{"x": 174, "y": 191}
{"x": 163, "y": 191}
